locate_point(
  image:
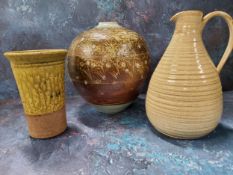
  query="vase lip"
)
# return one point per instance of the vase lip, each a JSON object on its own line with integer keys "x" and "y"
{"x": 36, "y": 56}
{"x": 108, "y": 24}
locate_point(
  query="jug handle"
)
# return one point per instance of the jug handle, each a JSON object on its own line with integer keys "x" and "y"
{"x": 229, "y": 22}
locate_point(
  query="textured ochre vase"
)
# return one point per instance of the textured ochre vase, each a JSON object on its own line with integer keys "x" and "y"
{"x": 184, "y": 98}
{"x": 108, "y": 64}
{"x": 39, "y": 75}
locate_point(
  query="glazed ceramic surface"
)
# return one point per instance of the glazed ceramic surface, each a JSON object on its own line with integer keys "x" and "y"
{"x": 39, "y": 75}
{"x": 108, "y": 65}
{"x": 184, "y": 98}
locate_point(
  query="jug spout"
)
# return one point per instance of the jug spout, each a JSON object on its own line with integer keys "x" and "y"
{"x": 189, "y": 15}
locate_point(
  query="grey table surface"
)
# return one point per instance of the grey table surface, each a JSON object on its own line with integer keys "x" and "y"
{"x": 123, "y": 143}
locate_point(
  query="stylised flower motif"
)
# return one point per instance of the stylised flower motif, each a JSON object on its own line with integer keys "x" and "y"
{"x": 108, "y": 65}
{"x": 137, "y": 65}
{"x": 93, "y": 65}
{"x": 124, "y": 50}
{"x": 123, "y": 64}
{"x": 88, "y": 62}
{"x": 88, "y": 50}
{"x": 104, "y": 77}
{"x": 81, "y": 64}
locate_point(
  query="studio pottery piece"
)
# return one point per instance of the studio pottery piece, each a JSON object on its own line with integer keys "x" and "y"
{"x": 39, "y": 75}
{"x": 184, "y": 99}
{"x": 108, "y": 65}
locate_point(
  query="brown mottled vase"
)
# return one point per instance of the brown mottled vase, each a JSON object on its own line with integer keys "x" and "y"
{"x": 108, "y": 64}
{"x": 39, "y": 75}
{"x": 184, "y": 98}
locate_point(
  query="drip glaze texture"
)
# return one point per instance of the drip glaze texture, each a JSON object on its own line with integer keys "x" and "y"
{"x": 184, "y": 98}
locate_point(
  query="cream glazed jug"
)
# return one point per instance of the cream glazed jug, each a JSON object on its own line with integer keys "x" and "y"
{"x": 184, "y": 97}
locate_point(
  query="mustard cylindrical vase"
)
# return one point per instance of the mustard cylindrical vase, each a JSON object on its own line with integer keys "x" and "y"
{"x": 39, "y": 75}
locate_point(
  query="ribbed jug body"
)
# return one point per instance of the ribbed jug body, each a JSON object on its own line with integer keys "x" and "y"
{"x": 184, "y": 98}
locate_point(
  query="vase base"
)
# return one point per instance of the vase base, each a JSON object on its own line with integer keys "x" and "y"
{"x": 112, "y": 109}
{"x": 47, "y": 125}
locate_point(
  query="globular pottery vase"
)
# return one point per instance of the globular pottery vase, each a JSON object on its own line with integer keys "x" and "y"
{"x": 39, "y": 75}
{"x": 108, "y": 64}
{"x": 184, "y": 98}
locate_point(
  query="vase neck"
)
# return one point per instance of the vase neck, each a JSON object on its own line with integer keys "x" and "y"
{"x": 111, "y": 24}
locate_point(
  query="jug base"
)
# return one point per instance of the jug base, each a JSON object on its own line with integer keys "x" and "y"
{"x": 186, "y": 136}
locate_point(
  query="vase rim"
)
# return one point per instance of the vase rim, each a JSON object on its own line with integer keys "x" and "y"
{"x": 103, "y": 24}
{"x": 36, "y": 56}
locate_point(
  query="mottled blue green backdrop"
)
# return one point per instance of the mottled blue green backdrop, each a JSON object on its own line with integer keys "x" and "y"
{"x": 37, "y": 24}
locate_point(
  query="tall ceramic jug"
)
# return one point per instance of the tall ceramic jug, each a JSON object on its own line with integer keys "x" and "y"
{"x": 184, "y": 98}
